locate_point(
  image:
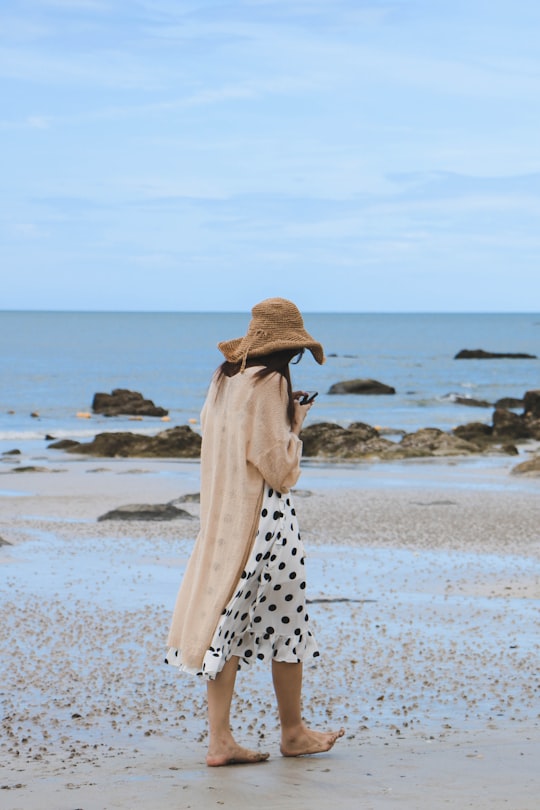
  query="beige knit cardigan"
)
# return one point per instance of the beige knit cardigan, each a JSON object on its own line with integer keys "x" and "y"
{"x": 247, "y": 440}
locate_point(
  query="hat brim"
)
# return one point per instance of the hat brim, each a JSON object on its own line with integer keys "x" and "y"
{"x": 235, "y": 350}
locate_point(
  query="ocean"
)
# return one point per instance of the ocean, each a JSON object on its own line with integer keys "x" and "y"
{"x": 52, "y": 363}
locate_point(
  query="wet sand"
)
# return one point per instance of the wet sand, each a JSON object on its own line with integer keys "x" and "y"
{"x": 425, "y": 586}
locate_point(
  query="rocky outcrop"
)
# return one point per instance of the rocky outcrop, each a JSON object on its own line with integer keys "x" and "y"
{"x": 531, "y": 405}
{"x": 146, "y": 511}
{"x": 476, "y": 432}
{"x": 530, "y": 467}
{"x": 361, "y": 387}
{"x": 509, "y": 402}
{"x": 328, "y": 440}
{"x": 480, "y": 354}
{"x": 509, "y": 425}
{"x": 431, "y": 442}
{"x": 178, "y": 442}
{"x": 123, "y": 402}
{"x": 472, "y": 402}
{"x": 506, "y": 424}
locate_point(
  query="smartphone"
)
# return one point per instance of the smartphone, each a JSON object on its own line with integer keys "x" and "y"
{"x": 308, "y": 397}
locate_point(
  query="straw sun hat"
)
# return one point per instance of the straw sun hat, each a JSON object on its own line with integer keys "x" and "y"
{"x": 276, "y": 324}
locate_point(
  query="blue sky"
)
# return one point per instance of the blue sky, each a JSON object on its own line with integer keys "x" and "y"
{"x": 353, "y": 155}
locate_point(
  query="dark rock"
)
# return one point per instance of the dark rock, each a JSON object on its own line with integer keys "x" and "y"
{"x": 64, "y": 444}
{"x": 177, "y": 442}
{"x": 509, "y": 402}
{"x": 530, "y": 467}
{"x": 328, "y": 440}
{"x": 432, "y": 442}
{"x": 14, "y": 452}
{"x": 123, "y": 402}
{"x": 35, "y": 469}
{"x": 146, "y": 511}
{"x": 510, "y": 449}
{"x": 193, "y": 497}
{"x": 4, "y": 542}
{"x": 363, "y": 432}
{"x": 531, "y": 404}
{"x": 34, "y": 415}
{"x": 361, "y": 387}
{"x": 480, "y": 354}
{"x": 476, "y": 432}
{"x": 473, "y": 403}
{"x": 509, "y": 425}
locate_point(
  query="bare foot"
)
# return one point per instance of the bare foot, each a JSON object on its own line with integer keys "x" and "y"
{"x": 305, "y": 741}
{"x": 233, "y": 754}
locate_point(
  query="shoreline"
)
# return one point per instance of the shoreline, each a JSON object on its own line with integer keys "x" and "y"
{"x": 424, "y": 581}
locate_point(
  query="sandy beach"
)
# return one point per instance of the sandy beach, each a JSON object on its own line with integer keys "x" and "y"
{"x": 425, "y": 584}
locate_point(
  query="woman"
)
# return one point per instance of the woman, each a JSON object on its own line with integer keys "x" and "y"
{"x": 243, "y": 594}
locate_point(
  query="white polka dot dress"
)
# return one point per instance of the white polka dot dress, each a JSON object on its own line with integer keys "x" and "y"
{"x": 267, "y": 617}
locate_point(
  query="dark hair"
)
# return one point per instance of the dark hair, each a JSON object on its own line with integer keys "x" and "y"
{"x": 270, "y": 363}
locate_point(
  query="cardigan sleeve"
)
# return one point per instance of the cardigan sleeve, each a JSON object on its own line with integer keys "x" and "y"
{"x": 271, "y": 445}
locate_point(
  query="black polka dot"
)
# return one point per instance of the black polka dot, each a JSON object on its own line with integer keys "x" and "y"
{"x": 289, "y": 597}
{"x": 264, "y": 512}
{"x": 270, "y": 630}
{"x": 281, "y": 566}
{"x": 272, "y": 607}
{"x": 292, "y": 575}
{"x": 285, "y": 619}
{"x": 248, "y": 653}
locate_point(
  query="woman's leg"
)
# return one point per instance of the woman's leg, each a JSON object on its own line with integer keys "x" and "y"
{"x": 296, "y": 737}
{"x": 222, "y": 747}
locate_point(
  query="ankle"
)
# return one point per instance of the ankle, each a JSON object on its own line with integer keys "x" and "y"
{"x": 291, "y": 731}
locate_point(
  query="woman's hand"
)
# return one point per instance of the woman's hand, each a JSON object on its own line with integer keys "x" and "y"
{"x": 300, "y": 411}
